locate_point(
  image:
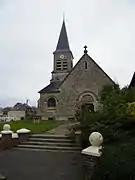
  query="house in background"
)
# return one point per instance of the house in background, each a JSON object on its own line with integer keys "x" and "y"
{"x": 17, "y": 115}
{"x": 19, "y": 111}
{"x": 1, "y": 113}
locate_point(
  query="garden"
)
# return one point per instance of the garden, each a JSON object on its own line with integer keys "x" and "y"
{"x": 116, "y": 122}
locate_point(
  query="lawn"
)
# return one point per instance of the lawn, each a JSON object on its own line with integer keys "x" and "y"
{"x": 41, "y": 127}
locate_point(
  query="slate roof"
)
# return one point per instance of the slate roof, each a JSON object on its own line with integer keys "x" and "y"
{"x": 52, "y": 87}
{"x": 132, "y": 83}
{"x": 63, "y": 43}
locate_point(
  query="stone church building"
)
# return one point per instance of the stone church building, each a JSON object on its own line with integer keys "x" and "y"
{"x": 71, "y": 87}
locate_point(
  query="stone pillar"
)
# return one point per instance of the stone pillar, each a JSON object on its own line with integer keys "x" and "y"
{"x": 23, "y": 134}
{"x": 2, "y": 177}
{"x": 6, "y": 141}
{"x": 92, "y": 154}
{"x": 15, "y": 139}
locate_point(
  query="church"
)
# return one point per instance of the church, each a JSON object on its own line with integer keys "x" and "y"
{"x": 71, "y": 87}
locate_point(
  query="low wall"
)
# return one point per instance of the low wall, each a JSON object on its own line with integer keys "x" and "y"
{"x": 10, "y": 140}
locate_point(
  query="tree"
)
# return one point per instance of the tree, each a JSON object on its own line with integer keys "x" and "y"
{"x": 116, "y": 122}
{"x": 6, "y": 110}
{"x": 113, "y": 119}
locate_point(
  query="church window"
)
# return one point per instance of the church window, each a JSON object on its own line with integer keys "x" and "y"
{"x": 58, "y": 65}
{"x": 58, "y": 62}
{"x": 65, "y": 65}
{"x": 65, "y": 68}
{"x": 65, "y": 62}
{"x": 51, "y": 102}
{"x": 85, "y": 65}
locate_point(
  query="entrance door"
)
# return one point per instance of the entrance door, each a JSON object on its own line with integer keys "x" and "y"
{"x": 87, "y": 108}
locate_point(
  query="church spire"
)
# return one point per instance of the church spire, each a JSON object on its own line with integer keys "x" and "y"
{"x": 63, "y": 44}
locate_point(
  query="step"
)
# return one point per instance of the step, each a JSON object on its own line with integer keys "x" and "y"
{"x": 45, "y": 150}
{"x": 65, "y": 144}
{"x": 50, "y": 140}
{"x": 47, "y": 147}
{"x": 48, "y": 136}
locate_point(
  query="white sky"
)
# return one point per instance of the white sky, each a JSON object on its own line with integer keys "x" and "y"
{"x": 29, "y": 31}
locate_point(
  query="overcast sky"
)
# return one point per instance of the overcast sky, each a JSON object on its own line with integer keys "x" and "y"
{"x": 29, "y": 31}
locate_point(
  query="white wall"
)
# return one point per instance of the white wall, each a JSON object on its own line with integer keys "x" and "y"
{"x": 1, "y": 113}
{"x": 17, "y": 114}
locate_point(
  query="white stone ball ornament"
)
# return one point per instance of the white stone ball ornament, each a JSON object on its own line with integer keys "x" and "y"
{"x": 96, "y": 139}
{"x": 6, "y": 127}
{"x": 23, "y": 131}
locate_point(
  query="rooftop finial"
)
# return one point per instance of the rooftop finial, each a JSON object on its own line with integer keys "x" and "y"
{"x": 63, "y": 16}
{"x": 85, "y": 49}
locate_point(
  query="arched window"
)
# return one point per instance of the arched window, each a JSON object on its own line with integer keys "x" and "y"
{"x": 51, "y": 102}
{"x": 85, "y": 65}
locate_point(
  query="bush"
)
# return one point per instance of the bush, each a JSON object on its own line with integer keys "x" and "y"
{"x": 116, "y": 122}
{"x": 117, "y": 161}
{"x": 113, "y": 120}
{"x": 131, "y": 109}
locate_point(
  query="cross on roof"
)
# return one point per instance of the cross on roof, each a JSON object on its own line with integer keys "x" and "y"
{"x": 85, "y": 49}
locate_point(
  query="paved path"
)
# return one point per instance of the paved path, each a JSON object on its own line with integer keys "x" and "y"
{"x": 62, "y": 129}
{"x": 32, "y": 165}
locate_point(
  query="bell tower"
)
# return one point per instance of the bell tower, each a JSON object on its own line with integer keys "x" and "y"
{"x": 63, "y": 57}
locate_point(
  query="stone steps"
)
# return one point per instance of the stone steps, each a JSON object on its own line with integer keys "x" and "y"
{"x": 47, "y": 142}
{"x": 51, "y": 140}
{"x": 47, "y": 150}
{"x": 50, "y": 143}
{"x": 49, "y": 136}
{"x": 47, "y": 147}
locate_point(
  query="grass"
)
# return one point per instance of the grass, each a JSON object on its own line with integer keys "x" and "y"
{"x": 41, "y": 127}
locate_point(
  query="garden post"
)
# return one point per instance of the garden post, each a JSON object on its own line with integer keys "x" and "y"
{"x": 92, "y": 154}
{"x": 6, "y": 139}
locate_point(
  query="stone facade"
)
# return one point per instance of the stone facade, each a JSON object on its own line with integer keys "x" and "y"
{"x": 82, "y": 84}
